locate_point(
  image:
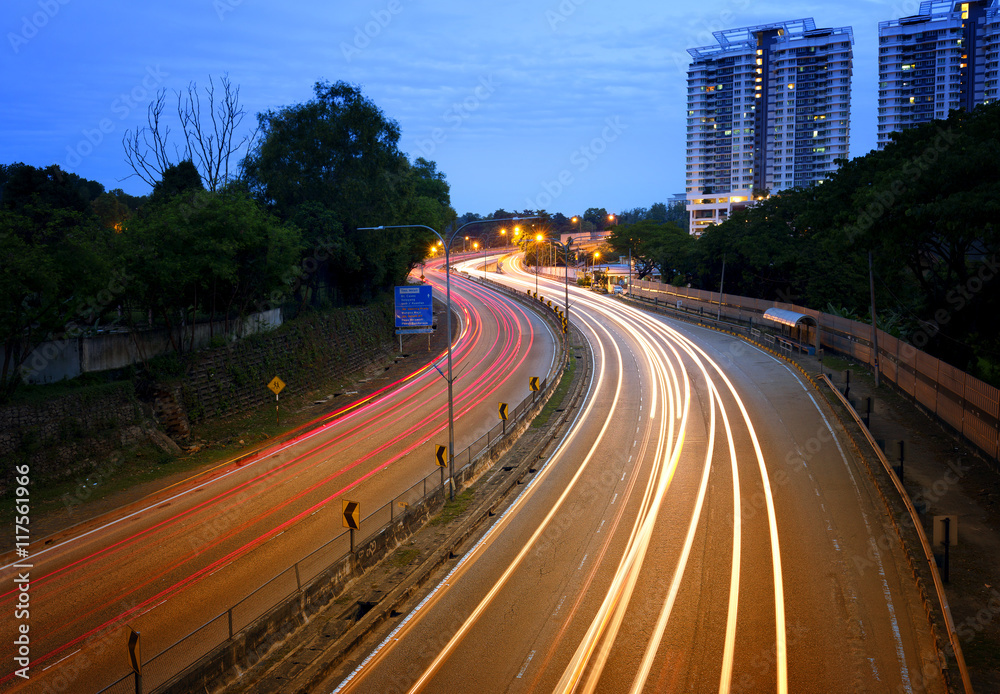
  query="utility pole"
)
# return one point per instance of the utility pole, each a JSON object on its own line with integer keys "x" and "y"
{"x": 871, "y": 283}
{"x": 722, "y": 283}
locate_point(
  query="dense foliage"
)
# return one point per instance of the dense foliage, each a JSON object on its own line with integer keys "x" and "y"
{"x": 927, "y": 207}
{"x": 77, "y": 258}
{"x": 332, "y": 165}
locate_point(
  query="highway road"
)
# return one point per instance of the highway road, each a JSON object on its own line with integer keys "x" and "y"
{"x": 170, "y": 563}
{"x": 701, "y": 527}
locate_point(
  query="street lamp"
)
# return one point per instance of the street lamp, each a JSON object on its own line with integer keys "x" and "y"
{"x": 565, "y": 247}
{"x": 475, "y": 247}
{"x": 538, "y": 240}
{"x": 445, "y": 241}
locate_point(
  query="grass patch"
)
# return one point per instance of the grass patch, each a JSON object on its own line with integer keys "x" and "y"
{"x": 837, "y": 364}
{"x": 558, "y": 396}
{"x": 89, "y": 387}
{"x": 108, "y": 475}
{"x": 404, "y": 557}
{"x": 454, "y": 508}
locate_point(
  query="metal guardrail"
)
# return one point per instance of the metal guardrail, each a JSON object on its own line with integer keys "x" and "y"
{"x": 292, "y": 581}
{"x": 784, "y": 348}
{"x": 967, "y": 405}
{"x": 956, "y": 647}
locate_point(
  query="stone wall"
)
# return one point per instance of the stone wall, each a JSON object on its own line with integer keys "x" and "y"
{"x": 68, "y": 435}
{"x": 58, "y": 360}
{"x": 72, "y": 435}
{"x": 313, "y": 349}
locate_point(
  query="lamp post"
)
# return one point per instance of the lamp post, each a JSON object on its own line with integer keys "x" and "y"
{"x": 445, "y": 241}
{"x": 565, "y": 247}
{"x": 538, "y": 240}
{"x": 475, "y": 247}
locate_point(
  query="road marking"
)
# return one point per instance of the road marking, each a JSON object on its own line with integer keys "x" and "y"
{"x": 600, "y": 526}
{"x": 526, "y": 663}
{"x": 584, "y": 561}
{"x": 615, "y": 499}
{"x": 904, "y": 671}
{"x": 61, "y": 659}
{"x": 559, "y": 606}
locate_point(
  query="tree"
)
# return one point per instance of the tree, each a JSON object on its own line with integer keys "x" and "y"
{"x": 206, "y": 253}
{"x": 53, "y": 272}
{"x": 211, "y": 137}
{"x": 429, "y": 200}
{"x": 652, "y": 245}
{"x": 115, "y": 208}
{"x": 178, "y": 179}
{"x": 340, "y": 152}
{"x": 597, "y": 216}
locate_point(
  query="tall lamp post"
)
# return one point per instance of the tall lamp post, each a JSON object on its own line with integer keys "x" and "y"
{"x": 538, "y": 240}
{"x": 446, "y": 241}
{"x": 565, "y": 247}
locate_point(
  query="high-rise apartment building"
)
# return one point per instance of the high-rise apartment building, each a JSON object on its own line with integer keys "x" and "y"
{"x": 944, "y": 58}
{"x": 768, "y": 109}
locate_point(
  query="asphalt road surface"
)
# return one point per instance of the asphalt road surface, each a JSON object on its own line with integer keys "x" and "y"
{"x": 171, "y": 563}
{"x": 702, "y": 527}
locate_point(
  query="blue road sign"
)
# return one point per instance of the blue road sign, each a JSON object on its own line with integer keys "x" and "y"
{"x": 414, "y": 306}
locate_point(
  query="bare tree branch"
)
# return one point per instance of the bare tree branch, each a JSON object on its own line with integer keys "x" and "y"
{"x": 209, "y": 135}
{"x": 146, "y": 147}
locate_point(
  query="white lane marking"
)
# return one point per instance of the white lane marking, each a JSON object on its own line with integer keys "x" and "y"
{"x": 601, "y": 526}
{"x": 526, "y": 663}
{"x": 582, "y": 562}
{"x": 615, "y": 499}
{"x": 904, "y": 669}
{"x": 661, "y": 625}
{"x": 61, "y": 659}
{"x": 580, "y": 417}
{"x": 559, "y": 606}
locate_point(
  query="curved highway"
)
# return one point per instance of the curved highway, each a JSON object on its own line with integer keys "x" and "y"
{"x": 701, "y": 527}
{"x": 172, "y": 562}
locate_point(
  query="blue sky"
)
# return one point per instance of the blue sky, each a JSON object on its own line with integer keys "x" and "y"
{"x": 559, "y": 104}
